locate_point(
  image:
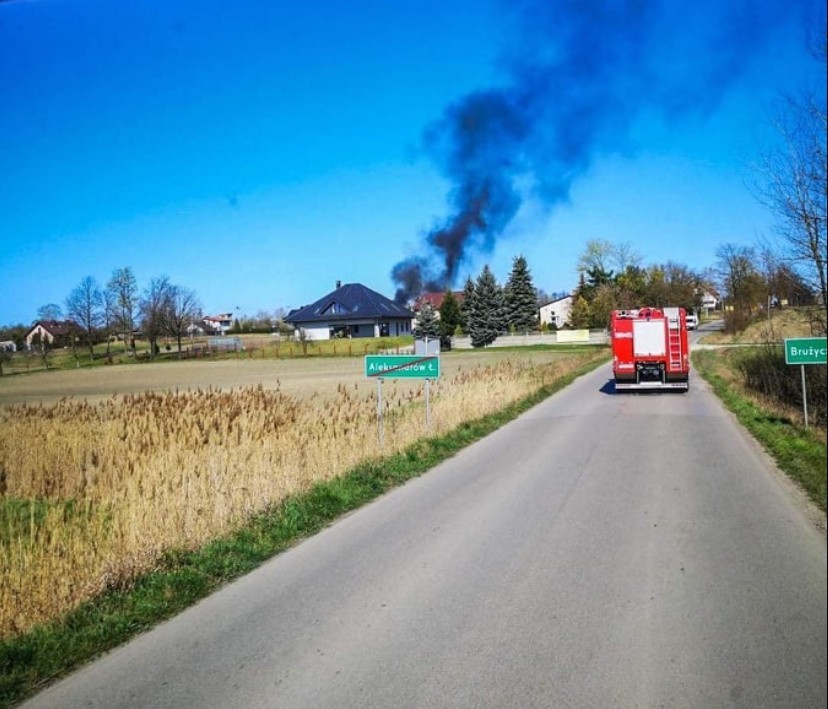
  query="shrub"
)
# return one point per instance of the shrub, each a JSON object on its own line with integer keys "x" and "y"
{"x": 765, "y": 372}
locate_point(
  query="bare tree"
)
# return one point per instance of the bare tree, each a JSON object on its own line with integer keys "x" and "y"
{"x": 598, "y": 255}
{"x": 124, "y": 290}
{"x": 626, "y": 257}
{"x": 154, "y": 307}
{"x": 683, "y": 286}
{"x": 182, "y": 311}
{"x": 790, "y": 178}
{"x": 84, "y": 307}
{"x": 604, "y": 256}
{"x": 794, "y": 187}
{"x": 741, "y": 283}
{"x": 50, "y": 311}
{"x": 109, "y": 317}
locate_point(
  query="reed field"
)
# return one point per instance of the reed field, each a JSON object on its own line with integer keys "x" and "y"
{"x": 94, "y": 490}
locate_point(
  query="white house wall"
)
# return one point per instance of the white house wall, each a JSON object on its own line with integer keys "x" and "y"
{"x": 44, "y": 334}
{"x": 556, "y": 313}
{"x": 322, "y": 331}
{"x": 367, "y": 329}
{"x": 315, "y": 332}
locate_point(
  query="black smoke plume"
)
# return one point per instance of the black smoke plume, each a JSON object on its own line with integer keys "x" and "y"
{"x": 583, "y": 73}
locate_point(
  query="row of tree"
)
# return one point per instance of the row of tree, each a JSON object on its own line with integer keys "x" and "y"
{"x": 485, "y": 309}
{"x": 163, "y": 309}
{"x": 789, "y": 177}
{"x": 612, "y": 276}
{"x": 745, "y": 278}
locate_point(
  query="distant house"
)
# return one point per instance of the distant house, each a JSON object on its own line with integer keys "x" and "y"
{"x": 51, "y": 331}
{"x": 709, "y": 301}
{"x": 352, "y": 310}
{"x": 8, "y": 346}
{"x": 435, "y": 300}
{"x": 218, "y": 324}
{"x": 556, "y": 313}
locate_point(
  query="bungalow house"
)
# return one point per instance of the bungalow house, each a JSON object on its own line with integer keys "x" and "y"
{"x": 352, "y": 310}
{"x": 556, "y": 313}
{"x": 51, "y": 331}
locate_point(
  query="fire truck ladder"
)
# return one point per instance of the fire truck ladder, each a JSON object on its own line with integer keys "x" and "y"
{"x": 673, "y": 338}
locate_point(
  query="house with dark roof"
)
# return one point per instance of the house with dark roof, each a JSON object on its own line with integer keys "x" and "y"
{"x": 51, "y": 331}
{"x": 352, "y": 310}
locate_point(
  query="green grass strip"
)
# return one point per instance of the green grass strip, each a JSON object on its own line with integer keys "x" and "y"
{"x": 31, "y": 661}
{"x": 794, "y": 449}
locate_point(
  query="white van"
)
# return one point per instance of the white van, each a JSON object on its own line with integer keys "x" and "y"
{"x": 692, "y": 322}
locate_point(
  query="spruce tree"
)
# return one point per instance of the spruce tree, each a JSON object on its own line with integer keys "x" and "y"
{"x": 486, "y": 312}
{"x": 428, "y": 325}
{"x": 467, "y": 304}
{"x": 519, "y": 298}
{"x": 450, "y": 316}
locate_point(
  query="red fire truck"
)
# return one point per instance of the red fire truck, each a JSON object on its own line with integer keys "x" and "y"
{"x": 649, "y": 349}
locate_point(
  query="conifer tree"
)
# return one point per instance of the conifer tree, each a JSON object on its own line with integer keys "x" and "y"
{"x": 519, "y": 298}
{"x": 450, "y": 316}
{"x": 486, "y": 312}
{"x": 467, "y": 304}
{"x": 428, "y": 325}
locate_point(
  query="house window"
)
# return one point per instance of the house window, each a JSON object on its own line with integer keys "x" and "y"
{"x": 354, "y": 329}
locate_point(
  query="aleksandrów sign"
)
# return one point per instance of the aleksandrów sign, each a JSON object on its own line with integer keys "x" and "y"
{"x": 402, "y": 366}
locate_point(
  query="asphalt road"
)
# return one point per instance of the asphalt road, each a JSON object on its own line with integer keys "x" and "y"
{"x": 631, "y": 550}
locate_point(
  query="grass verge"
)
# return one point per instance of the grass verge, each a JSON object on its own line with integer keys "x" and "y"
{"x": 799, "y": 452}
{"x": 31, "y": 661}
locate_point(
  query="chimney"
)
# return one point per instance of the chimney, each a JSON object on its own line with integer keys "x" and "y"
{"x": 338, "y": 285}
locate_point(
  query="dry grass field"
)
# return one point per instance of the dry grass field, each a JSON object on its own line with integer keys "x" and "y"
{"x": 102, "y": 471}
{"x": 301, "y": 377}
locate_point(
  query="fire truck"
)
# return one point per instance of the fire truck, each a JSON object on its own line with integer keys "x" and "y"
{"x": 649, "y": 349}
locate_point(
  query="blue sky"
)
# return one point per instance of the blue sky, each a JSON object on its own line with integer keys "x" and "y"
{"x": 257, "y": 152}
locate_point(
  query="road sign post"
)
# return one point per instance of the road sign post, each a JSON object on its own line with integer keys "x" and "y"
{"x": 805, "y": 351}
{"x": 402, "y": 366}
{"x": 381, "y": 367}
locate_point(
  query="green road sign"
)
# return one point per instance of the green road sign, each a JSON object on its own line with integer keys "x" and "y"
{"x": 805, "y": 350}
{"x": 402, "y": 366}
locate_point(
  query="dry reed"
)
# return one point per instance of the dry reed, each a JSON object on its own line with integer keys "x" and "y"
{"x": 102, "y": 490}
